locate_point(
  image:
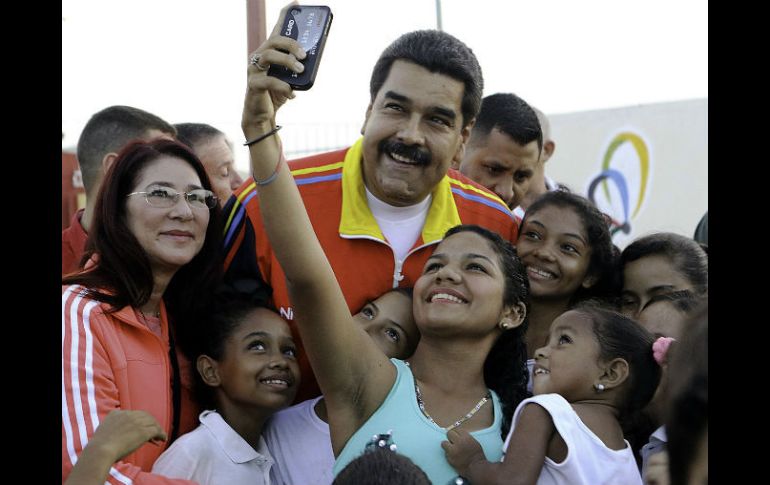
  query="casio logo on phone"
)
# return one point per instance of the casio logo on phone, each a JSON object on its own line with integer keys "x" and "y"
{"x": 308, "y": 26}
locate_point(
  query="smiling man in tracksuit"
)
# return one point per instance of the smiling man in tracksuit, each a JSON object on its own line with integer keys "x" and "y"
{"x": 381, "y": 206}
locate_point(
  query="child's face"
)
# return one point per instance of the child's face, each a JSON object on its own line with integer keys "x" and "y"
{"x": 389, "y": 321}
{"x": 259, "y": 369}
{"x": 647, "y": 277}
{"x": 569, "y": 363}
{"x": 554, "y": 247}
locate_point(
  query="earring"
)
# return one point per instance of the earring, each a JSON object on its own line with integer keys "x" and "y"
{"x": 599, "y": 387}
{"x": 504, "y": 325}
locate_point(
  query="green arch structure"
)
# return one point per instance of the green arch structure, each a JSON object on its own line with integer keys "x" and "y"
{"x": 644, "y": 162}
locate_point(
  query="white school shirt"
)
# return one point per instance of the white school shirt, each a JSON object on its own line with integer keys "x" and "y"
{"x": 301, "y": 445}
{"x": 214, "y": 454}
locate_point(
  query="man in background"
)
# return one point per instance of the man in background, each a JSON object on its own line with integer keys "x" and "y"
{"x": 215, "y": 151}
{"x": 105, "y": 134}
{"x": 381, "y": 206}
{"x": 504, "y": 147}
{"x": 540, "y": 183}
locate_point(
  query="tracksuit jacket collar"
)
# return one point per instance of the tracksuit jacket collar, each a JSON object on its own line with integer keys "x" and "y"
{"x": 357, "y": 219}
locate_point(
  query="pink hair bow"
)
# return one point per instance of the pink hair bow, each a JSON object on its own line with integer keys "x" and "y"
{"x": 660, "y": 349}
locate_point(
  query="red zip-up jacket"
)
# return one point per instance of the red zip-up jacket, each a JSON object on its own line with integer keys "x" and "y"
{"x": 113, "y": 361}
{"x": 332, "y": 188}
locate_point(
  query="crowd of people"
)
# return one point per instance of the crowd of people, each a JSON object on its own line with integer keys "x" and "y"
{"x": 424, "y": 306}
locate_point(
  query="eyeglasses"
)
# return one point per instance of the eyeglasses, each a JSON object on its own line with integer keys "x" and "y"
{"x": 166, "y": 197}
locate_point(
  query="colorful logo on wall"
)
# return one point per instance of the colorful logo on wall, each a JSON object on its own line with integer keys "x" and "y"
{"x": 620, "y": 188}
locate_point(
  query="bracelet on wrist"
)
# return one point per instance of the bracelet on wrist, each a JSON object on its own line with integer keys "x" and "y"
{"x": 272, "y": 177}
{"x": 263, "y": 136}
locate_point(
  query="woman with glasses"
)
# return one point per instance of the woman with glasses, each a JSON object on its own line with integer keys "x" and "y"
{"x": 151, "y": 262}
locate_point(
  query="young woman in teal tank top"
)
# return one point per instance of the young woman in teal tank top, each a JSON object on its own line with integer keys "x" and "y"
{"x": 470, "y": 304}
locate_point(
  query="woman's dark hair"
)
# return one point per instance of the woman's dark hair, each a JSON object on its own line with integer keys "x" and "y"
{"x": 687, "y": 256}
{"x": 193, "y": 133}
{"x": 621, "y": 337}
{"x": 225, "y": 315}
{"x": 604, "y": 256}
{"x": 687, "y": 410}
{"x": 505, "y": 368}
{"x": 123, "y": 274}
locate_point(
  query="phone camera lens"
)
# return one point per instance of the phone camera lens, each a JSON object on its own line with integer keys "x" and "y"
{"x": 295, "y": 12}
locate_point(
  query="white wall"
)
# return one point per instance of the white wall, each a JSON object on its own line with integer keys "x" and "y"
{"x": 671, "y": 137}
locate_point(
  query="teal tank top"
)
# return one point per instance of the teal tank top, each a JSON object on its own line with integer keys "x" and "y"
{"x": 415, "y": 435}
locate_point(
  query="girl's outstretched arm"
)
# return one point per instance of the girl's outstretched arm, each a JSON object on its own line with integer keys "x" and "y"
{"x": 354, "y": 375}
{"x": 524, "y": 457}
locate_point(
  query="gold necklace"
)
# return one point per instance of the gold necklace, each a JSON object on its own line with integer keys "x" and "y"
{"x": 466, "y": 417}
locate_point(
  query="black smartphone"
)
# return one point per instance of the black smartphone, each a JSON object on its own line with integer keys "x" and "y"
{"x": 309, "y": 26}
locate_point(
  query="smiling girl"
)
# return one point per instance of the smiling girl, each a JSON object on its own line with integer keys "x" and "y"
{"x": 596, "y": 368}
{"x": 566, "y": 246}
{"x": 248, "y": 365}
{"x": 470, "y": 300}
{"x": 299, "y": 435}
{"x": 658, "y": 264}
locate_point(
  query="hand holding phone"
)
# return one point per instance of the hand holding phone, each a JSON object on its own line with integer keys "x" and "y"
{"x": 309, "y": 26}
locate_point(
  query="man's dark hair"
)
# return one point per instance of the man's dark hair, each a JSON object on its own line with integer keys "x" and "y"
{"x": 193, "y": 133}
{"x": 110, "y": 130}
{"x": 511, "y": 115}
{"x": 438, "y": 52}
